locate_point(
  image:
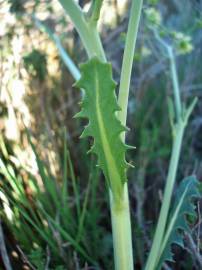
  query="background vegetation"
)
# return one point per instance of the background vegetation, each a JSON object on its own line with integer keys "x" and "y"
{"x": 54, "y": 211}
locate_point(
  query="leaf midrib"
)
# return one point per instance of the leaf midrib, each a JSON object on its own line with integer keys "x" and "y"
{"x": 111, "y": 166}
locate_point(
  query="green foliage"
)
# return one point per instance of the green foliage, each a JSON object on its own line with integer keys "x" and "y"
{"x": 45, "y": 219}
{"x": 177, "y": 223}
{"x": 99, "y": 105}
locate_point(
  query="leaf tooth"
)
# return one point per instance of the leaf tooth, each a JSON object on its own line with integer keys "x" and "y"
{"x": 184, "y": 226}
{"x": 86, "y": 132}
{"x": 171, "y": 258}
{"x": 119, "y": 130}
{"x": 79, "y": 83}
{"x": 113, "y": 84}
{"x": 125, "y": 128}
{"x": 129, "y": 165}
{"x": 130, "y": 147}
{"x": 91, "y": 150}
{"x": 190, "y": 209}
{"x": 80, "y": 114}
{"x": 178, "y": 240}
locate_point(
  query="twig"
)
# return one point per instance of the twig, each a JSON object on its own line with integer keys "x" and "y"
{"x": 3, "y": 250}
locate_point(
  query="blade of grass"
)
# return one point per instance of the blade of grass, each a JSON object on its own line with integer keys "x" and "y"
{"x": 74, "y": 185}
{"x": 83, "y": 212}
{"x": 68, "y": 237}
{"x": 64, "y": 182}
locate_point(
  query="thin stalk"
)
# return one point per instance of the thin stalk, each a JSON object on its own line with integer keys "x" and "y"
{"x": 86, "y": 29}
{"x": 121, "y": 224}
{"x": 175, "y": 82}
{"x": 93, "y": 39}
{"x": 128, "y": 60}
{"x": 178, "y": 133}
{"x": 174, "y": 77}
{"x": 96, "y": 8}
{"x": 121, "y": 227}
{"x": 160, "y": 229}
{"x": 83, "y": 213}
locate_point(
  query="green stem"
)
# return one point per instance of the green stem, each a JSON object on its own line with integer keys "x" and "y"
{"x": 160, "y": 229}
{"x": 94, "y": 41}
{"x": 178, "y": 133}
{"x": 174, "y": 77}
{"x": 96, "y": 8}
{"x": 128, "y": 60}
{"x": 86, "y": 29}
{"x": 175, "y": 81}
{"x": 121, "y": 224}
{"x": 121, "y": 227}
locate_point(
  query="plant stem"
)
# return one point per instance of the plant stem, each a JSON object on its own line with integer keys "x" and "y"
{"x": 174, "y": 77}
{"x": 86, "y": 29}
{"x": 128, "y": 60}
{"x": 178, "y": 133}
{"x": 94, "y": 41}
{"x": 121, "y": 227}
{"x": 160, "y": 229}
{"x": 175, "y": 81}
{"x": 96, "y": 8}
{"x": 120, "y": 215}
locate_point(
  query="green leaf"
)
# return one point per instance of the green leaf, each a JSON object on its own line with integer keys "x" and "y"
{"x": 183, "y": 206}
{"x": 99, "y": 105}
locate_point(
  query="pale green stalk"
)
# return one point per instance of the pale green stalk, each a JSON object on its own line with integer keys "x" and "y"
{"x": 160, "y": 229}
{"x": 174, "y": 77}
{"x": 178, "y": 132}
{"x": 128, "y": 59}
{"x": 121, "y": 224}
{"x": 121, "y": 227}
{"x": 87, "y": 29}
{"x": 176, "y": 87}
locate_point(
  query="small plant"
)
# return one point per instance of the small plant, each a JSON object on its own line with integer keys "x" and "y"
{"x": 107, "y": 115}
